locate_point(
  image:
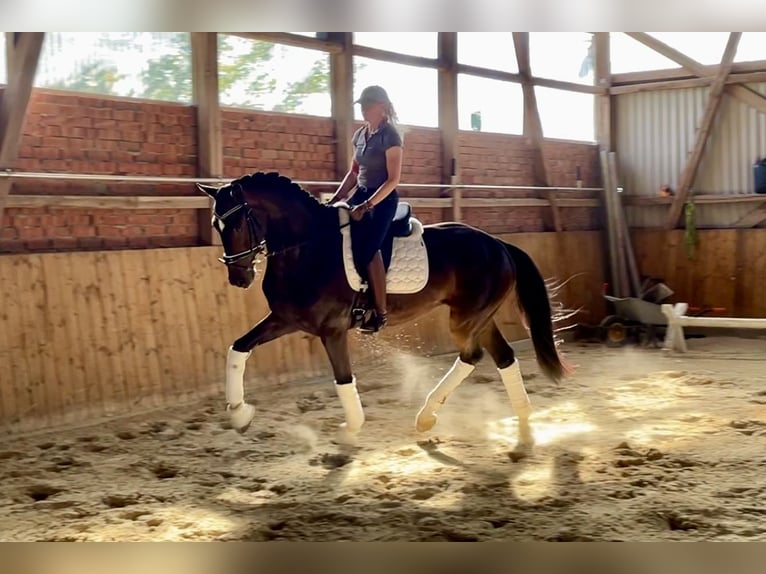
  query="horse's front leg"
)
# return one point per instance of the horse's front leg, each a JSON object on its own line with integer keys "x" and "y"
{"x": 269, "y": 328}
{"x": 336, "y": 345}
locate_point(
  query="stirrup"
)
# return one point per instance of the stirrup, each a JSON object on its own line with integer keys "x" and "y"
{"x": 374, "y": 322}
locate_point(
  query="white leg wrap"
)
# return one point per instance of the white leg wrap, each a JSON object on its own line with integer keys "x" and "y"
{"x": 514, "y": 386}
{"x": 240, "y": 413}
{"x": 426, "y": 418}
{"x": 235, "y": 373}
{"x": 352, "y": 406}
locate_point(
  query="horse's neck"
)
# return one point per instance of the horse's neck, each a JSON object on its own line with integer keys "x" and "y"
{"x": 291, "y": 222}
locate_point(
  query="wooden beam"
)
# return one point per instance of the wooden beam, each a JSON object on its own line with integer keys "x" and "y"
{"x": 289, "y": 39}
{"x": 111, "y": 201}
{"x": 388, "y": 56}
{"x": 669, "y": 52}
{"x": 342, "y": 84}
{"x": 10, "y": 52}
{"x": 513, "y": 77}
{"x": 533, "y": 129}
{"x": 209, "y": 131}
{"x": 740, "y": 92}
{"x": 746, "y": 78}
{"x": 201, "y": 202}
{"x": 13, "y": 106}
{"x": 628, "y": 266}
{"x": 448, "y": 117}
{"x": 682, "y": 73}
{"x": 603, "y": 79}
{"x": 748, "y": 96}
{"x": 613, "y": 248}
{"x": 568, "y": 86}
{"x": 752, "y": 218}
{"x": 714, "y": 99}
{"x": 645, "y": 201}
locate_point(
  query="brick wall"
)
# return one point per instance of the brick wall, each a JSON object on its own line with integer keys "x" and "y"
{"x": 499, "y": 159}
{"x": 66, "y": 132}
{"x": 300, "y": 147}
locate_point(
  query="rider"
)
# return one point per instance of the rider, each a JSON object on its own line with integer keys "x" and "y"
{"x": 375, "y": 168}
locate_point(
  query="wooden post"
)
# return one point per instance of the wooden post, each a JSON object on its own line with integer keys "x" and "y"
{"x": 342, "y": 85}
{"x": 10, "y": 50}
{"x": 604, "y": 135}
{"x": 714, "y": 99}
{"x": 629, "y": 275}
{"x": 603, "y": 79}
{"x": 13, "y": 107}
{"x": 209, "y": 132}
{"x": 611, "y": 230}
{"x": 533, "y": 129}
{"x": 448, "y": 117}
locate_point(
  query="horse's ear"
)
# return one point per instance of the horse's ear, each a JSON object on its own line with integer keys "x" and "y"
{"x": 208, "y": 189}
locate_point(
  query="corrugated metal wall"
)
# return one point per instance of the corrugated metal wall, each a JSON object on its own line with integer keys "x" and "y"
{"x": 655, "y": 134}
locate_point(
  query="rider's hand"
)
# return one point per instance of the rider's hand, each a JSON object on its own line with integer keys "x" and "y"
{"x": 358, "y": 212}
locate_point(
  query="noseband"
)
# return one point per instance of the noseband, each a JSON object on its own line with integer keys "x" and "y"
{"x": 256, "y": 246}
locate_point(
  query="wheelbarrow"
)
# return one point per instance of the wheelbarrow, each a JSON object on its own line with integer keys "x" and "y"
{"x": 633, "y": 318}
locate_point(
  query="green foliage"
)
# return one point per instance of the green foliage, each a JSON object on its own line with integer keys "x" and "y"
{"x": 246, "y": 76}
{"x": 690, "y": 233}
{"x": 317, "y": 82}
{"x": 95, "y": 76}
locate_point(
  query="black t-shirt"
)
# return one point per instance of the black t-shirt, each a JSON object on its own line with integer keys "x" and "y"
{"x": 370, "y": 154}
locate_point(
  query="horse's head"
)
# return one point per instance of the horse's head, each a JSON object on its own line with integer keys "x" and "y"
{"x": 242, "y": 234}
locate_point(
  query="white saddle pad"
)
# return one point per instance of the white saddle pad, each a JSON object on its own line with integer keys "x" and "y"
{"x": 408, "y": 272}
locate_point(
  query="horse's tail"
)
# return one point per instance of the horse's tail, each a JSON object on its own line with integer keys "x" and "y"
{"x": 533, "y": 300}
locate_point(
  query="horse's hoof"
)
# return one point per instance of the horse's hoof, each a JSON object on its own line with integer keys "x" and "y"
{"x": 526, "y": 436}
{"x": 241, "y": 417}
{"x": 347, "y": 435}
{"x": 425, "y": 421}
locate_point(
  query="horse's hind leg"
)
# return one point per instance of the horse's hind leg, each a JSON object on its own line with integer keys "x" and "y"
{"x": 510, "y": 373}
{"x": 465, "y": 332}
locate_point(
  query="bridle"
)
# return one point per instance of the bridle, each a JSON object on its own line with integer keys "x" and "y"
{"x": 256, "y": 246}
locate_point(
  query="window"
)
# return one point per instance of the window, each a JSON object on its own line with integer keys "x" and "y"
{"x": 566, "y": 115}
{"x": 492, "y": 50}
{"x": 413, "y": 43}
{"x": 705, "y": 47}
{"x": 629, "y": 55}
{"x": 489, "y": 105}
{"x": 267, "y": 76}
{"x": 413, "y": 90}
{"x": 565, "y": 56}
{"x": 752, "y": 46}
{"x": 133, "y": 64}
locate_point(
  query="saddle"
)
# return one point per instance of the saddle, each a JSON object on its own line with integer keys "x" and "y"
{"x": 401, "y": 224}
{"x": 404, "y": 252}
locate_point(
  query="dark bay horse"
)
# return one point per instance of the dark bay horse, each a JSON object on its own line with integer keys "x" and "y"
{"x": 307, "y": 290}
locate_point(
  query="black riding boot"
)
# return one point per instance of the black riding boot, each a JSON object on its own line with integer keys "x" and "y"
{"x": 376, "y": 276}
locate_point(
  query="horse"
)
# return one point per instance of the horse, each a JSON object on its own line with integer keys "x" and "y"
{"x": 308, "y": 290}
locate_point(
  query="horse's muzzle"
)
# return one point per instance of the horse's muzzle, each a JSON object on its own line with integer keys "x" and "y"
{"x": 241, "y": 279}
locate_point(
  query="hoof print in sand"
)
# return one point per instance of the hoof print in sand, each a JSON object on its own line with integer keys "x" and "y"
{"x": 38, "y": 492}
{"x": 331, "y": 461}
{"x": 120, "y": 500}
{"x": 749, "y": 427}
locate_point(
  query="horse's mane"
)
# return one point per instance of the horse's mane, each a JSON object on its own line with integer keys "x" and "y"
{"x": 273, "y": 182}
